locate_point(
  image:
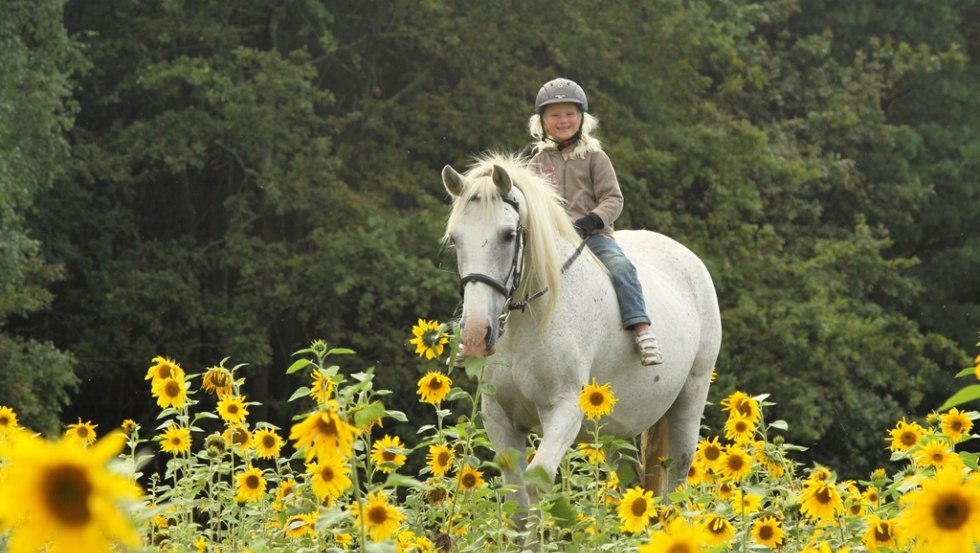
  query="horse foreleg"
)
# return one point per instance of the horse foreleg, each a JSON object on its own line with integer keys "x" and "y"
{"x": 559, "y": 427}
{"x": 509, "y": 441}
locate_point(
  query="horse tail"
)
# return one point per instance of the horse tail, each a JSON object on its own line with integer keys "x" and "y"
{"x": 653, "y": 452}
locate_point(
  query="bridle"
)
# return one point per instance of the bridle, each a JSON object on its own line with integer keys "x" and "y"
{"x": 516, "y": 269}
{"x": 516, "y": 265}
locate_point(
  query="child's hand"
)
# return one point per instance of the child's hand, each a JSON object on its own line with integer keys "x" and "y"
{"x": 588, "y": 224}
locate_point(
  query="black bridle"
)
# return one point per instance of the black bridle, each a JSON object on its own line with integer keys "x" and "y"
{"x": 516, "y": 265}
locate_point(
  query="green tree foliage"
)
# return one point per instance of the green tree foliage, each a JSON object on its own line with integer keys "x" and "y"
{"x": 37, "y": 60}
{"x": 248, "y": 176}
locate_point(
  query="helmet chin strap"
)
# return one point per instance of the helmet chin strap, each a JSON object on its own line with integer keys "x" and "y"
{"x": 562, "y": 144}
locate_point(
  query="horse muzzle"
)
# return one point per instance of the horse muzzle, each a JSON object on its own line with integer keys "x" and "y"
{"x": 478, "y": 338}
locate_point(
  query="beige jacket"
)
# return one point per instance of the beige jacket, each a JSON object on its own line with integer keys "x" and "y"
{"x": 587, "y": 183}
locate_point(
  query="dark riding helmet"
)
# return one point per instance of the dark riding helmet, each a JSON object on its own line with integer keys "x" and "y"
{"x": 560, "y": 90}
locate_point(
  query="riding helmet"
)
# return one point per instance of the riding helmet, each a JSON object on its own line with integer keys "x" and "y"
{"x": 558, "y": 91}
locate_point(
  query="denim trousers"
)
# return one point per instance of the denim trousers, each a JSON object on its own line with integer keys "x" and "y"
{"x": 632, "y": 307}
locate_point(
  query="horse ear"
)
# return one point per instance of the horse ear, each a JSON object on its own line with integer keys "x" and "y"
{"x": 452, "y": 180}
{"x": 502, "y": 180}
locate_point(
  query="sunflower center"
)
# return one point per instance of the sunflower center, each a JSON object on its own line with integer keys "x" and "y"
{"x": 431, "y": 338}
{"x": 909, "y": 439}
{"x": 597, "y": 399}
{"x": 468, "y": 480}
{"x": 712, "y": 453}
{"x": 638, "y": 507}
{"x": 717, "y": 526}
{"x": 232, "y": 409}
{"x": 66, "y": 492}
{"x": 82, "y": 432}
{"x": 883, "y": 532}
{"x": 326, "y": 474}
{"x": 766, "y": 533}
{"x": 388, "y": 456}
{"x": 443, "y": 459}
{"x": 744, "y": 409}
{"x": 4, "y": 420}
{"x": 252, "y": 482}
{"x": 327, "y": 427}
{"x": 950, "y": 513}
{"x": 172, "y": 389}
{"x": 268, "y": 442}
{"x": 680, "y": 548}
{"x": 735, "y": 462}
{"x": 238, "y": 436}
{"x": 377, "y": 514}
{"x": 823, "y": 495}
{"x": 435, "y": 384}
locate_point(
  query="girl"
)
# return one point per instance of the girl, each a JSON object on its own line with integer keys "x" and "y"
{"x": 572, "y": 160}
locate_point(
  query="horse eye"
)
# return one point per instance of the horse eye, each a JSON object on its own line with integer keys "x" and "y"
{"x": 509, "y": 235}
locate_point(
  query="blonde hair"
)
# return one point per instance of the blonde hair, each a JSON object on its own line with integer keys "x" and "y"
{"x": 586, "y": 143}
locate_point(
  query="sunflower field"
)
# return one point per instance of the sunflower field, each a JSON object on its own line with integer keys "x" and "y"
{"x": 337, "y": 481}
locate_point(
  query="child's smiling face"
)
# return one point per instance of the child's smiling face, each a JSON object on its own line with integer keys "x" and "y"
{"x": 562, "y": 121}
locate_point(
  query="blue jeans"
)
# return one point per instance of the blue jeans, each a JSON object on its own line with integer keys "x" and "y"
{"x": 632, "y": 307}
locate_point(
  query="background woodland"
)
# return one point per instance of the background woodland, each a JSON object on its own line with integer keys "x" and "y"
{"x": 214, "y": 179}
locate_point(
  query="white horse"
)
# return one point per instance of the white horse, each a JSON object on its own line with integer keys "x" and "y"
{"x": 515, "y": 243}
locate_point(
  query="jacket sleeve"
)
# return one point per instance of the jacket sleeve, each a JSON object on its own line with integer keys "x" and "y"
{"x": 609, "y": 197}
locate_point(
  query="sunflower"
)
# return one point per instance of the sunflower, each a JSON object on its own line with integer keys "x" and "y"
{"x": 175, "y": 439}
{"x": 429, "y": 338}
{"x": 871, "y": 496}
{"x": 329, "y": 476}
{"x": 129, "y": 427}
{"x": 321, "y": 388}
{"x": 170, "y": 392}
{"x": 303, "y": 524}
{"x": 388, "y": 453}
{"x": 267, "y": 443}
{"x": 8, "y": 419}
{"x": 745, "y": 503}
{"x": 699, "y": 473}
{"x": 61, "y": 494}
{"x": 821, "y": 502}
{"x": 855, "y": 506}
{"x": 593, "y": 455}
{"x": 434, "y": 387}
{"x": 439, "y": 459}
{"x": 735, "y": 463}
{"x": 710, "y": 452}
{"x": 238, "y": 437}
{"x": 718, "y": 530}
{"x": 380, "y": 518}
{"x": 905, "y": 435}
{"x": 636, "y": 509}
{"x": 740, "y": 405}
{"x": 82, "y": 431}
{"x": 217, "y": 380}
{"x": 739, "y": 430}
{"x": 955, "y": 424}
{"x": 768, "y": 531}
{"x": 323, "y": 433}
{"x": 679, "y": 536}
{"x": 770, "y": 457}
{"x": 284, "y": 492}
{"x": 595, "y": 400}
{"x": 881, "y": 533}
{"x": 470, "y": 478}
{"x": 944, "y": 514}
{"x": 251, "y": 485}
{"x": 232, "y": 409}
{"x": 937, "y": 453}
{"x": 164, "y": 368}
{"x": 344, "y": 540}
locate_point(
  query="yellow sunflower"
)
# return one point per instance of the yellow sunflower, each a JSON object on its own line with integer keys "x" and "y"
{"x": 329, "y": 476}
{"x": 321, "y": 388}
{"x": 937, "y": 453}
{"x": 905, "y": 435}
{"x": 388, "y": 453}
{"x": 61, "y": 495}
{"x": 217, "y": 380}
{"x": 881, "y": 534}
{"x": 429, "y": 338}
{"x": 232, "y": 409}
{"x": 698, "y": 473}
{"x": 175, "y": 439}
{"x": 439, "y": 459}
{"x": 710, "y": 451}
{"x": 164, "y": 368}
{"x": 267, "y": 443}
{"x": 636, "y": 509}
{"x": 741, "y": 405}
{"x": 955, "y": 424}
{"x": 871, "y": 496}
{"x": 593, "y": 455}
{"x": 434, "y": 387}
{"x": 470, "y": 478}
{"x": 380, "y": 518}
{"x": 595, "y": 400}
{"x": 170, "y": 392}
{"x": 303, "y": 524}
{"x": 251, "y": 485}
{"x": 238, "y": 437}
{"x": 768, "y": 531}
{"x": 770, "y": 458}
{"x": 129, "y": 427}
{"x": 8, "y": 419}
{"x": 679, "y": 536}
{"x": 745, "y": 503}
{"x": 323, "y": 433}
{"x": 344, "y": 540}
{"x": 718, "y": 530}
{"x": 82, "y": 431}
{"x": 943, "y": 515}
{"x": 739, "y": 430}
{"x": 284, "y": 493}
{"x": 821, "y": 502}
{"x": 735, "y": 463}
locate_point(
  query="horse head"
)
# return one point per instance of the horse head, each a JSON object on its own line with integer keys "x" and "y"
{"x": 487, "y": 231}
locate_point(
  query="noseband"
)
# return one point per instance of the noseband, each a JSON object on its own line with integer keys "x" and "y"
{"x": 516, "y": 265}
